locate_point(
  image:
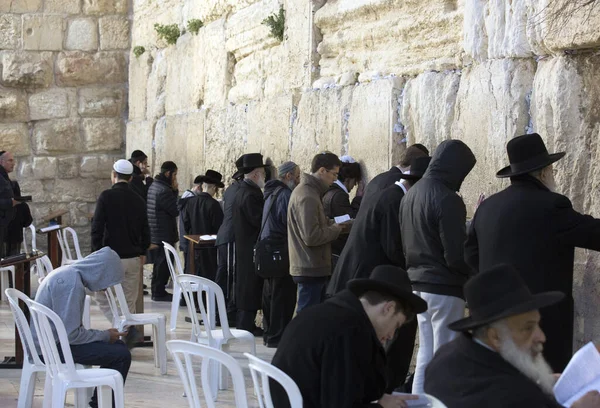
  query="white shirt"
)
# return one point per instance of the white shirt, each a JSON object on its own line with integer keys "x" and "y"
{"x": 402, "y": 186}
{"x": 481, "y": 343}
{"x": 342, "y": 186}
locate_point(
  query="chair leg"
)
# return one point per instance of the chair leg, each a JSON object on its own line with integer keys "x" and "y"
{"x": 48, "y": 389}
{"x": 58, "y": 396}
{"x": 215, "y": 372}
{"x": 27, "y": 387}
{"x": 104, "y": 397}
{"x": 175, "y": 305}
{"x": 86, "y": 312}
{"x": 4, "y": 283}
{"x": 161, "y": 346}
{"x": 82, "y": 397}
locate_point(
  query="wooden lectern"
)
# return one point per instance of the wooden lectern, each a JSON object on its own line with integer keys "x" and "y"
{"x": 54, "y": 251}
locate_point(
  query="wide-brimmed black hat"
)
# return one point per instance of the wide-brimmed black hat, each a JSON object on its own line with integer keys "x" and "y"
{"x": 527, "y": 153}
{"x": 417, "y": 168}
{"x": 248, "y": 162}
{"x": 391, "y": 280}
{"x": 498, "y": 293}
{"x": 211, "y": 177}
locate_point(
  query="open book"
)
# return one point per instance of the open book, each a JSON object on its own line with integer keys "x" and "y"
{"x": 581, "y": 376}
{"x": 422, "y": 401}
{"x": 207, "y": 237}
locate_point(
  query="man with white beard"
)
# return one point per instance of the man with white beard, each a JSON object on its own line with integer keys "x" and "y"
{"x": 497, "y": 362}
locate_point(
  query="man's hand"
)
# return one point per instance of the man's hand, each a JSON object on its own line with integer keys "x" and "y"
{"x": 589, "y": 400}
{"x": 360, "y": 189}
{"x": 479, "y": 201}
{"x": 15, "y": 202}
{"x": 395, "y": 401}
{"x": 115, "y": 334}
{"x": 152, "y": 246}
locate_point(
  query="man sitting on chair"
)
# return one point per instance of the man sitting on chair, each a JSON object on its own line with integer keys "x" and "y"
{"x": 63, "y": 291}
{"x": 334, "y": 351}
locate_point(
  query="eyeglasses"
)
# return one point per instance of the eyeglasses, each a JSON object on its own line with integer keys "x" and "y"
{"x": 333, "y": 172}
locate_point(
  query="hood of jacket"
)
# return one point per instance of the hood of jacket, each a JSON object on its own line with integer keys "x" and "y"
{"x": 100, "y": 269}
{"x": 273, "y": 185}
{"x": 314, "y": 182}
{"x": 452, "y": 161}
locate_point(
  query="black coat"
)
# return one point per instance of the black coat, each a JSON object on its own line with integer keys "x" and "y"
{"x": 162, "y": 212}
{"x": 382, "y": 181}
{"x": 432, "y": 223}
{"x": 202, "y": 215}
{"x": 336, "y": 202}
{"x": 22, "y": 218}
{"x": 536, "y": 231}
{"x": 120, "y": 222}
{"x": 181, "y": 204}
{"x": 276, "y": 222}
{"x": 247, "y": 215}
{"x": 374, "y": 239}
{"x": 332, "y": 353}
{"x": 137, "y": 182}
{"x": 225, "y": 234}
{"x": 464, "y": 374}
{"x": 7, "y": 211}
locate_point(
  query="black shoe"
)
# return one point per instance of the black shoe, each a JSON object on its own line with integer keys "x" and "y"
{"x": 272, "y": 345}
{"x": 167, "y": 297}
{"x": 146, "y": 293}
{"x": 258, "y": 332}
{"x": 133, "y": 337}
{"x": 145, "y": 286}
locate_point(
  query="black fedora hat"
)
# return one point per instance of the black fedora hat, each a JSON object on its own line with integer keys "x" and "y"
{"x": 249, "y": 162}
{"x": 498, "y": 293}
{"x": 527, "y": 153}
{"x": 391, "y": 280}
{"x": 417, "y": 168}
{"x": 210, "y": 177}
{"x": 238, "y": 166}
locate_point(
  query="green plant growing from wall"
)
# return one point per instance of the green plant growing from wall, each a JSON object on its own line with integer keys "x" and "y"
{"x": 138, "y": 50}
{"x": 194, "y": 25}
{"x": 276, "y": 22}
{"x": 169, "y": 32}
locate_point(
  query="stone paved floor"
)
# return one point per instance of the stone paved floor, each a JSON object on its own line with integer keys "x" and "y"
{"x": 145, "y": 387}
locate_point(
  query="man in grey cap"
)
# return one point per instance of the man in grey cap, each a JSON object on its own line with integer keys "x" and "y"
{"x": 279, "y": 290}
{"x": 120, "y": 222}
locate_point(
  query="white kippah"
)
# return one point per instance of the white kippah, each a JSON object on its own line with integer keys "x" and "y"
{"x": 347, "y": 159}
{"x": 123, "y": 167}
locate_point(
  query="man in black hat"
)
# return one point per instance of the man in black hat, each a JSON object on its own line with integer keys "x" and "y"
{"x": 202, "y": 215}
{"x": 497, "y": 361}
{"x": 182, "y": 202}
{"x": 334, "y": 351}
{"x": 535, "y": 229}
{"x": 247, "y": 215}
{"x": 375, "y": 239}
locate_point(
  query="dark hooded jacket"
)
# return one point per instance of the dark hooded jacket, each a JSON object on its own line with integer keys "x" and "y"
{"x": 225, "y": 234}
{"x": 276, "y": 221}
{"x": 162, "y": 211}
{"x": 7, "y": 211}
{"x": 432, "y": 223}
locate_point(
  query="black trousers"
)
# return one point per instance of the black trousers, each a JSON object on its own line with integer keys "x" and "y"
{"x": 399, "y": 355}
{"x": 245, "y": 320}
{"x": 278, "y": 304}
{"x": 160, "y": 273}
{"x": 225, "y": 277}
{"x": 3, "y": 237}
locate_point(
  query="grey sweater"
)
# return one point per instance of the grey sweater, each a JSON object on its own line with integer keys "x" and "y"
{"x": 63, "y": 291}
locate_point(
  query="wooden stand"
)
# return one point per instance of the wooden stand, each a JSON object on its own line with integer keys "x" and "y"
{"x": 54, "y": 252}
{"x": 196, "y": 243}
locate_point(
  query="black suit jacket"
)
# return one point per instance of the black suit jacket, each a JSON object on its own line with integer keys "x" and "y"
{"x": 382, "y": 181}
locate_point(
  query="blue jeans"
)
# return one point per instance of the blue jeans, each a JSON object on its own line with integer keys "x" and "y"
{"x": 309, "y": 294}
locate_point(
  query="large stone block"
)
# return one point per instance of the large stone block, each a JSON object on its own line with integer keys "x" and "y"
{"x": 102, "y": 134}
{"x": 10, "y": 32}
{"x": 44, "y": 168}
{"x": 96, "y": 166}
{"x": 148, "y": 13}
{"x": 100, "y": 102}
{"x": 57, "y": 136}
{"x": 20, "y": 6}
{"x": 217, "y": 63}
{"x": 185, "y": 75}
{"x": 82, "y": 34}
{"x": 139, "y": 71}
{"x": 75, "y": 68}
{"x": 156, "y": 89}
{"x": 225, "y": 132}
{"x": 140, "y": 136}
{"x": 492, "y": 107}
{"x": 68, "y": 166}
{"x": 114, "y": 33}
{"x": 27, "y": 69}
{"x": 62, "y": 6}
{"x": 36, "y": 189}
{"x": 72, "y": 190}
{"x": 428, "y": 107}
{"x": 13, "y": 106}
{"x": 105, "y": 6}
{"x": 43, "y": 32}
{"x": 53, "y": 103}
{"x": 14, "y": 137}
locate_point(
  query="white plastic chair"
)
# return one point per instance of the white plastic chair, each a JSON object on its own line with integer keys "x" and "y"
{"x": 4, "y": 273}
{"x": 26, "y": 248}
{"x": 434, "y": 402}
{"x": 60, "y": 377}
{"x": 32, "y": 364}
{"x": 183, "y": 352}
{"x": 266, "y": 371}
{"x": 63, "y": 240}
{"x": 123, "y": 317}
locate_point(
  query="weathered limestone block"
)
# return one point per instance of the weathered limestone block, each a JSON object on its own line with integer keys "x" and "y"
{"x": 96, "y": 166}
{"x": 185, "y": 75}
{"x": 139, "y": 71}
{"x": 102, "y": 134}
{"x": 27, "y": 69}
{"x": 67, "y": 191}
{"x": 101, "y": 102}
{"x": 62, "y": 6}
{"x": 13, "y": 106}
{"x": 114, "y": 33}
{"x": 217, "y": 63}
{"x": 25, "y": 170}
{"x": 321, "y": 123}
{"x": 14, "y": 137}
{"x": 35, "y": 188}
{"x": 82, "y": 34}
{"x": 53, "y": 103}
{"x": 10, "y": 31}
{"x": 390, "y": 36}
{"x": 77, "y": 68}
{"x": 140, "y": 136}
{"x": 43, "y": 32}
{"x": 68, "y": 166}
{"x": 225, "y": 131}
{"x": 492, "y": 107}
{"x": 210, "y": 10}
{"x": 44, "y": 167}
{"x": 428, "y": 107}
{"x": 147, "y": 13}
{"x": 57, "y": 136}
{"x": 105, "y": 6}
{"x": 20, "y": 6}
{"x": 156, "y": 89}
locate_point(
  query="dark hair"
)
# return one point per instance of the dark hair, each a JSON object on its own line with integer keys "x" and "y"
{"x": 413, "y": 152}
{"x": 350, "y": 171}
{"x": 121, "y": 176}
{"x": 168, "y": 166}
{"x": 138, "y": 155}
{"x": 327, "y": 160}
{"x": 374, "y": 298}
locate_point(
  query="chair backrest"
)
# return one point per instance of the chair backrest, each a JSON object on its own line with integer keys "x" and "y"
{"x": 31, "y": 228}
{"x": 435, "y": 403}
{"x": 176, "y": 269}
{"x": 44, "y": 267}
{"x": 183, "y": 352}
{"x": 63, "y": 240}
{"x": 118, "y": 304}
{"x": 23, "y": 327}
{"x": 265, "y": 370}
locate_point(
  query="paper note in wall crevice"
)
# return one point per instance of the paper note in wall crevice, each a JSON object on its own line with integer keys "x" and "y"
{"x": 342, "y": 218}
{"x": 581, "y": 376}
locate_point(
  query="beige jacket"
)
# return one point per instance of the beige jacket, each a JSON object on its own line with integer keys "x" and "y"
{"x": 310, "y": 232}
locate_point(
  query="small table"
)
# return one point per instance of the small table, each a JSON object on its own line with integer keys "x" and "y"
{"x": 196, "y": 243}
{"x": 23, "y": 284}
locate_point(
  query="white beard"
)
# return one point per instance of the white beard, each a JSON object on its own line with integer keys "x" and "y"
{"x": 534, "y": 368}
{"x": 260, "y": 183}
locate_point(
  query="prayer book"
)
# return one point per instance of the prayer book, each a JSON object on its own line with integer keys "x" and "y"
{"x": 581, "y": 376}
{"x": 422, "y": 401}
{"x": 207, "y": 237}
{"x": 50, "y": 228}
{"x": 342, "y": 218}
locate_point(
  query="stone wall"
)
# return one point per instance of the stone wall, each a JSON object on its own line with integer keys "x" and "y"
{"x": 63, "y": 100}
{"x": 366, "y": 77}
